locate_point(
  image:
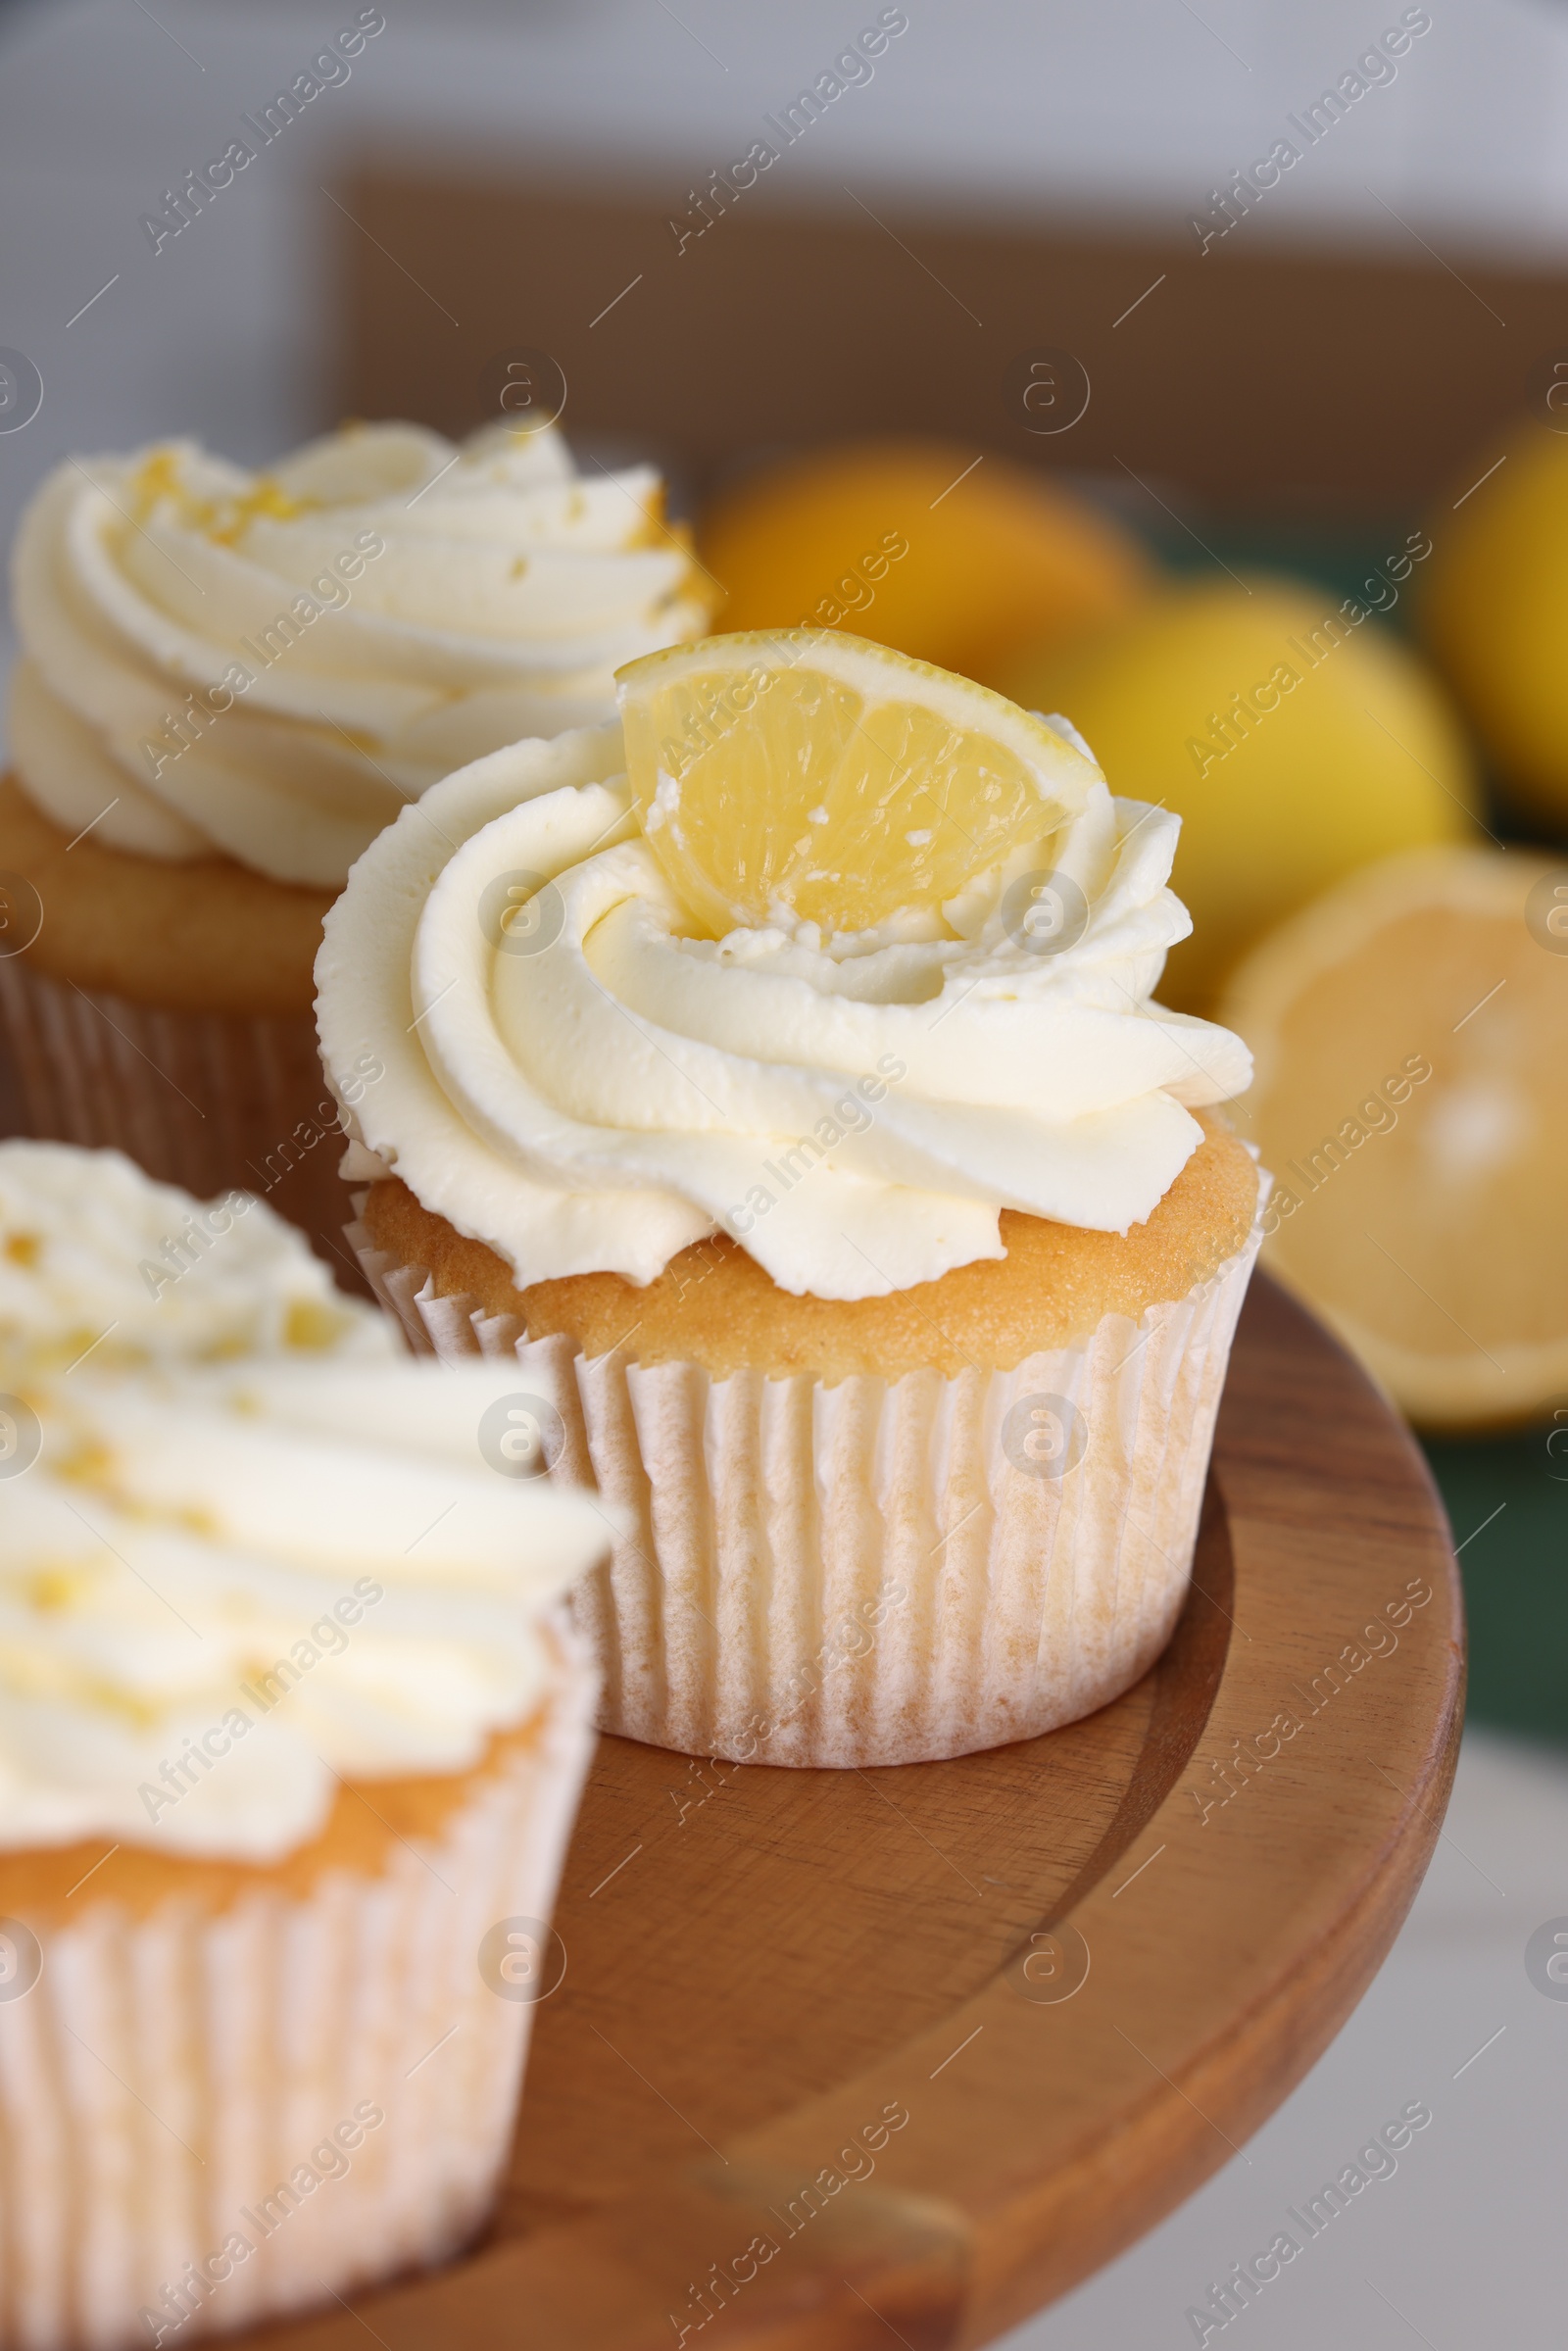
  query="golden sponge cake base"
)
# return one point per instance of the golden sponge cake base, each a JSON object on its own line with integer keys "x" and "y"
{"x": 206, "y": 934}
{"x": 714, "y": 1305}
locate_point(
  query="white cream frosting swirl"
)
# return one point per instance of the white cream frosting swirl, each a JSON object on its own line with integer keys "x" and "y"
{"x": 270, "y": 666}
{"x": 99, "y": 1264}
{"x": 220, "y": 1592}
{"x": 603, "y": 1091}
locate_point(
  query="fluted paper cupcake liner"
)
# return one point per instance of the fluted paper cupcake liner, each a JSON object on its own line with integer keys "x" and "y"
{"x": 876, "y": 1571}
{"x": 206, "y": 1100}
{"x": 171, "y": 2084}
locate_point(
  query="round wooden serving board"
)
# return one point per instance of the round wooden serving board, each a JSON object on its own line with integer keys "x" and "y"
{"x": 826, "y": 2069}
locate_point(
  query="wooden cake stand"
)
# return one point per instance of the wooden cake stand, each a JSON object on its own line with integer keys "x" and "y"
{"x": 845, "y": 2059}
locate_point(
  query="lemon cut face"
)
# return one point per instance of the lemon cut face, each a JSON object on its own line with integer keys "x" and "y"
{"x": 1411, "y": 1033}
{"x": 803, "y": 776}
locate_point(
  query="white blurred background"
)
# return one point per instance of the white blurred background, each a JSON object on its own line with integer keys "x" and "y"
{"x": 1125, "y": 114}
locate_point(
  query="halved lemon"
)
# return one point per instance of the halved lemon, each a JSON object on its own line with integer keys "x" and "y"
{"x": 803, "y": 775}
{"x": 1412, "y": 1036}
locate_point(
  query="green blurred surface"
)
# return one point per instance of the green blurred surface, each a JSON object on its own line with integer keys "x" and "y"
{"x": 1334, "y": 561}
{"x": 1507, "y": 1499}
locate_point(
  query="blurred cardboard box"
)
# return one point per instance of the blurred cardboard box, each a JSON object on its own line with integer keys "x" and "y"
{"x": 1252, "y": 375}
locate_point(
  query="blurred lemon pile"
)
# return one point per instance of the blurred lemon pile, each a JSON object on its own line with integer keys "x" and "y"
{"x": 1402, "y": 979}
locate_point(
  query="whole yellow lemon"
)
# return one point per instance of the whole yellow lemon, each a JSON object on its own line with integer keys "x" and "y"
{"x": 1295, "y": 740}
{"x": 1494, "y": 612}
{"x": 942, "y": 552}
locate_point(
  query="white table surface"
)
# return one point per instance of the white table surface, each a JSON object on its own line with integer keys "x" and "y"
{"x": 1461, "y": 2248}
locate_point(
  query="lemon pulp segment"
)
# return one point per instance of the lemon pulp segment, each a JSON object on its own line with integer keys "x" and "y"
{"x": 811, "y": 776}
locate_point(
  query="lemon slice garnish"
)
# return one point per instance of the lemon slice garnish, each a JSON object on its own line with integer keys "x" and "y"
{"x": 802, "y": 774}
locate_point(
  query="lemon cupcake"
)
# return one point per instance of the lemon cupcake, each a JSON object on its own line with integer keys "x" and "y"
{"x": 776, "y": 1080}
{"x": 100, "y": 1265}
{"x": 292, "y": 1732}
{"x": 228, "y": 684}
